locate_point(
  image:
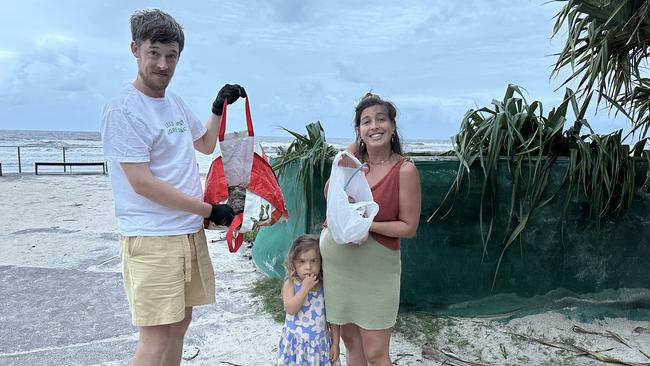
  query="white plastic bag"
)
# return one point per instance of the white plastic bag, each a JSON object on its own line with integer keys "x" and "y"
{"x": 350, "y": 208}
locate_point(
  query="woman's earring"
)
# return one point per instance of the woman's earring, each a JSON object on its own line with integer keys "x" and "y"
{"x": 392, "y": 138}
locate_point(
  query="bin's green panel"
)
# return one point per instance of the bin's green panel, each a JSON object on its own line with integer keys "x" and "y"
{"x": 444, "y": 266}
{"x": 444, "y": 263}
{"x": 306, "y": 210}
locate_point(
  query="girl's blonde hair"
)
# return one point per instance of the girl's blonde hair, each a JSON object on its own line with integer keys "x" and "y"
{"x": 302, "y": 244}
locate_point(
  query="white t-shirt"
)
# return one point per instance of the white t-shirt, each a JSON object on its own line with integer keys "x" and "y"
{"x": 161, "y": 131}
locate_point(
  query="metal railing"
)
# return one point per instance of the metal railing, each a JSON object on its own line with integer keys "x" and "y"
{"x": 14, "y": 157}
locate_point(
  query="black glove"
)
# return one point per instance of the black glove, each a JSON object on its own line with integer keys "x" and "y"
{"x": 221, "y": 215}
{"x": 230, "y": 91}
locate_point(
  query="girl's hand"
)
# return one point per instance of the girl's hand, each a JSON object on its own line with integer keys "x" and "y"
{"x": 334, "y": 352}
{"x": 310, "y": 281}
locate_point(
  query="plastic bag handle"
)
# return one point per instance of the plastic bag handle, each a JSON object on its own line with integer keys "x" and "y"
{"x": 233, "y": 246}
{"x": 354, "y": 159}
{"x": 249, "y": 120}
{"x": 345, "y": 186}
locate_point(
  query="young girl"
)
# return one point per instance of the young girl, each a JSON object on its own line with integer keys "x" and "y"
{"x": 306, "y": 334}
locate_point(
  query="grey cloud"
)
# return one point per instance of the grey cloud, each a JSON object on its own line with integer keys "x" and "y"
{"x": 440, "y": 120}
{"x": 52, "y": 65}
{"x": 292, "y": 11}
{"x": 351, "y": 72}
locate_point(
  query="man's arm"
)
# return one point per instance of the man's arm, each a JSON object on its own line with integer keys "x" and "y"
{"x": 206, "y": 143}
{"x": 146, "y": 184}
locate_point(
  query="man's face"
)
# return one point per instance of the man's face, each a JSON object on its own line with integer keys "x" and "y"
{"x": 156, "y": 65}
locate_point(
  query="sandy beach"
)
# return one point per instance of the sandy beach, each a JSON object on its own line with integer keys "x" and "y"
{"x": 62, "y": 301}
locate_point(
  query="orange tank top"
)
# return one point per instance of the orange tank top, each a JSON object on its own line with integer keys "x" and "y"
{"x": 386, "y": 194}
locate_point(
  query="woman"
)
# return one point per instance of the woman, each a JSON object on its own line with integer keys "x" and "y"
{"x": 362, "y": 282}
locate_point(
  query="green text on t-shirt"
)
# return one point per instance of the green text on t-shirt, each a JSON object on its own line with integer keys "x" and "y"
{"x": 175, "y": 127}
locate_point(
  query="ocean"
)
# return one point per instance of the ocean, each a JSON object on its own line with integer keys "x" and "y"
{"x": 19, "y": 149}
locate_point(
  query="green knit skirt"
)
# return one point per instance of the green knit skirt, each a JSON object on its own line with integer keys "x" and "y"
{"x": 361, "y": 283}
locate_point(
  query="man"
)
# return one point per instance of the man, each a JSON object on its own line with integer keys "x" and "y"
{"x": 149, "y": 136}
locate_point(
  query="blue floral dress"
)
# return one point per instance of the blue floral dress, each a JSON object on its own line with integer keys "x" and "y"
{"x": 305, "y": 338}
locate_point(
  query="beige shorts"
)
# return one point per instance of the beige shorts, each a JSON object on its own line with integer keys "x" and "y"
{"x": 165, "y": 274}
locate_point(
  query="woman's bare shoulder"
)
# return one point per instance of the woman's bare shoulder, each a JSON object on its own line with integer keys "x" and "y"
{"x": 408, "y": 167}
{"x": 408, "y": 172}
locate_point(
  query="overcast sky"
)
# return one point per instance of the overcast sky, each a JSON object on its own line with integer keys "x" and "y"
{"x": 299, "y": 60}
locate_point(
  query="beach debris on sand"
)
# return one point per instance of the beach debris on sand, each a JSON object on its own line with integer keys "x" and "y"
{"x": 446, "y": 357}
{"x": 581, "y": 351}
{"x": 190, "y": 353}
{"x": 237, "y": 197}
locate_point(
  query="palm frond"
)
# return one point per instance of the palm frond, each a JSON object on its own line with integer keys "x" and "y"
{"x": 310, "y": 151}
{"x": 600, "y": 167}
{"x": 606, "y": 42}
